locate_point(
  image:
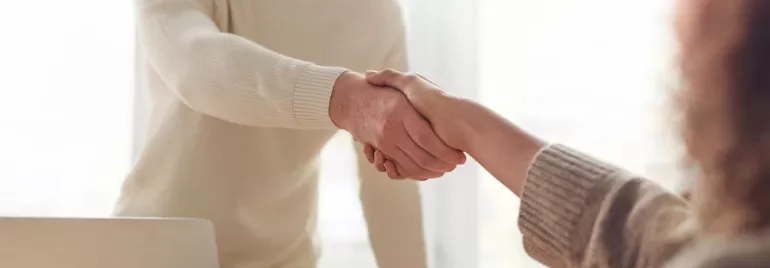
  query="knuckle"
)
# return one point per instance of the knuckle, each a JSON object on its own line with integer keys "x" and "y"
{"x": 389, "y": 72}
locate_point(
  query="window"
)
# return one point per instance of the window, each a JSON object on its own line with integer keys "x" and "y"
{"x": 585, "y": 73}
{"x": 66, "y": 96}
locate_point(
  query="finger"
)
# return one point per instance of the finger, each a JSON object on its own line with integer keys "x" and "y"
{"x": 439, "y": 176}
{"x": 418, "y": 178}
{"x": 423, "y": 158}
{"x": 379, "y": 161}
{"x": 389, "y": 77}
{"x": 409, "y": 168}
{"x": 432, "y": 176}
{"x": 399, "y": 172}
{"x": 402, "y": 173}
{"x": 424, "y": 136}
{"x": 369, "y": 153}
{"x": 392, "y": 170}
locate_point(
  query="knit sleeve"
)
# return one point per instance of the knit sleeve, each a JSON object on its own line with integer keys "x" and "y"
{"x": 580, "y": 212}
{"x": 227, "y": 76}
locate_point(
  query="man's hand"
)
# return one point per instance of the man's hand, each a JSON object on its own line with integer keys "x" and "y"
{"x": 429, "y": 99}
{"x": 433, "y": 103}
{"x": 384, "y": 118}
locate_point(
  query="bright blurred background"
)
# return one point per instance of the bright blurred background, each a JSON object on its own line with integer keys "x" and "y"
{"x": 593, "y": 74}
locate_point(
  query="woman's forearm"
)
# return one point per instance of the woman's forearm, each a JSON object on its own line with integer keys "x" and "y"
{"x": 503, "y": 149}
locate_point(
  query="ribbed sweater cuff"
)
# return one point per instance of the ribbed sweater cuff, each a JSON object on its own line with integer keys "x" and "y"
{"x": 312, "y": 92}
{"x": 560, "y": 185}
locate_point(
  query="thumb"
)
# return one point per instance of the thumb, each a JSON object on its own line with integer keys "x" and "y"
{"x": 387, "y": 77}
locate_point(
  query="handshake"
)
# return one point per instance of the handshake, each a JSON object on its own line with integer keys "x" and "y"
{"x": 409, "y": 126}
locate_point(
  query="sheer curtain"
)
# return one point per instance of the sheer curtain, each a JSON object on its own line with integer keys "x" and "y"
{"x": 590, "y": 74}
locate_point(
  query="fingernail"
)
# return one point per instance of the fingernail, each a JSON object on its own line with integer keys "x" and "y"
{"x": 370, "y": 73}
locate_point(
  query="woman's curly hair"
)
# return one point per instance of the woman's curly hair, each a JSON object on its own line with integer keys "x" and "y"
{"x": 725, "y": 107}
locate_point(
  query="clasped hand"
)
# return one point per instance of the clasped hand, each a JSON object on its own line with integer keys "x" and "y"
{"x": 430, "y": 100}
{"x": 381, "y": 114}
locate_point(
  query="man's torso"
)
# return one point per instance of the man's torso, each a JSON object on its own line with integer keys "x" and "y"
{"x": 258, "y": 185}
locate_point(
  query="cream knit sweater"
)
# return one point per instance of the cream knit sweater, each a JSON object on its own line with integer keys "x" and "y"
{"x": 239, "y": 115}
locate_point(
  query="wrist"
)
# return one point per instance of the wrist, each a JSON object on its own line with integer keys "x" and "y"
{"x": 465, "y": 115}
{"x": 340, "y": 104}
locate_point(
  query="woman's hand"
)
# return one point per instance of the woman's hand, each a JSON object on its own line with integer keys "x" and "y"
{"x": 421, "y": 92}
{"x": 430, "y": 100}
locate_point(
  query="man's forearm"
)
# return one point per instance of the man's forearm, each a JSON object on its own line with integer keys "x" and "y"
{"x": 503, "y": 149}
{"x": 229, "y": 77}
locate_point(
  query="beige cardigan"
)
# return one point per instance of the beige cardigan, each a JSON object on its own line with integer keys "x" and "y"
{"x": 580, "y": 212}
